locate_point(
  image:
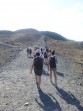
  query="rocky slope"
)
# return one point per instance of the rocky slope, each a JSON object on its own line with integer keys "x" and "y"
{"x": 18, "y": 91}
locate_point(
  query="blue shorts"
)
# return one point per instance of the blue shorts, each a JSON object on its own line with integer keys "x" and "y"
{"x": 53, "y": 69}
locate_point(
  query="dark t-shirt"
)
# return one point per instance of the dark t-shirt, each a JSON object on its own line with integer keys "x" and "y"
{"x": 38, "y": 63}
{"x": 52, "y": 62}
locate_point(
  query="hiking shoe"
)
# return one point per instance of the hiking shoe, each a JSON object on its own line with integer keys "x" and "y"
{"x": 55, "y": 84}
{"x": 37, "y": 84}
{"x": 39, "y": 89}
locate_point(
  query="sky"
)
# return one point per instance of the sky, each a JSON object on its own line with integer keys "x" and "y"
{"x": 64, "y": 17}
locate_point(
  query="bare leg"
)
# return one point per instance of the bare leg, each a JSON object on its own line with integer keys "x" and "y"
{"x": 50, "y": 75}
{"x": 36, "y": 78}
{"x": 44, "y": 60}
{"x": 39, "y": 80}
{"x": 55, "y": 77}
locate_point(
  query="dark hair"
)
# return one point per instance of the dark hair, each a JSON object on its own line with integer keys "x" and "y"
{"x": 37, "y": 54}
{"x": 53, "y": 52}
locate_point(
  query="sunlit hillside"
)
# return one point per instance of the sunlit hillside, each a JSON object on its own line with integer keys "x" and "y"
{"x": 27, "y": 37}
{"x": 7, "y": 53}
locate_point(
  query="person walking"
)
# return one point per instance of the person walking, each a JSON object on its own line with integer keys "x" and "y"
{"x": 30, "y": 51}
{"x": 37, "y": 64}
{"x": 27, "y": 52}
{"x": 52, "y": 66}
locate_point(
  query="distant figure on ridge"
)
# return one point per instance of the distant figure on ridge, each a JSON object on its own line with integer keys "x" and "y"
{"x": 29, "y": 52}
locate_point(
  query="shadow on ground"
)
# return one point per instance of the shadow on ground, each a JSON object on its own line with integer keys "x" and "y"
{"x": 60, "y": 74}
{"x": 69, "y": 98}
{"x": 45, "y": 73}
{"x": 47, "y": 102}
{"x": 30, "y": 57}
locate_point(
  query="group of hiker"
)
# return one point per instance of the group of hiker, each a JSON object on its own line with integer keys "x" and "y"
{"x": 40, "y": 57}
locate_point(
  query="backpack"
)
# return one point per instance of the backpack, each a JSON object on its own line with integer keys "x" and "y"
{"x": 38, "y": 63}
{"x": 45, "y": 54}
{"x": 30, "y": 51}
{"x": 52, "y": 62}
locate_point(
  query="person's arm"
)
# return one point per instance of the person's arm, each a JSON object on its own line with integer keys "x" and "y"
{"x": 56, "y": 60}
{"x": 48, "y": 63}
{"x": 32, "y": 66}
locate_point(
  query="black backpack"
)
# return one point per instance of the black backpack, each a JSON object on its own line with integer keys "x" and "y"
{"x": 45, "y": 54}
{"x": 52, "y": 62}
{"x": 30, "y": 51}
{"x": 38, "y": 63}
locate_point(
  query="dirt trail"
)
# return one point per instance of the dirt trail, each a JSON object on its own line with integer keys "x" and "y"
{"x": 18, "y": 91}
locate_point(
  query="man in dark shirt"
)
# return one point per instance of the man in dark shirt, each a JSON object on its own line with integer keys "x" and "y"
{"x": 38, "y": 68}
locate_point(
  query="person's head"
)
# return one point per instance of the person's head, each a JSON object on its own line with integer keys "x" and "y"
{"x": 50, "y": 50}
{"x": 41, "y": 49}
{"x": 37, "y": 54}
{"x": 53, "y": 52}
{"x": 47, "y": 50}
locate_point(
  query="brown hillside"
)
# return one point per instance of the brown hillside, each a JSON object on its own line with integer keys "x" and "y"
{"x": 25, "y": 39}
{"x": 7, "y": 53}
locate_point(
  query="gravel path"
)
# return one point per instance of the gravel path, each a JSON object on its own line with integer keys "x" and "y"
{"x": 18, "y": 91}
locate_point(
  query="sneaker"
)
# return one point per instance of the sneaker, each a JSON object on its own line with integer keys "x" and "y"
{"x": 50, "y": 80}
{"x": 37, "y": 84}
{"x": 55, "y": 84}
{"x": 39, "y": 88}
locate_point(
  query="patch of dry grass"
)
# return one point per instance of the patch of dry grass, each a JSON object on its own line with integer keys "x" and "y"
{"x": 18, "y": 39}
{"x": 67, "y": 49}
{"x": 7, "y": 54}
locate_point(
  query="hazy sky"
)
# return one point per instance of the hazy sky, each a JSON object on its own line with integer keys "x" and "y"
{"x": 61, "y": 16}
